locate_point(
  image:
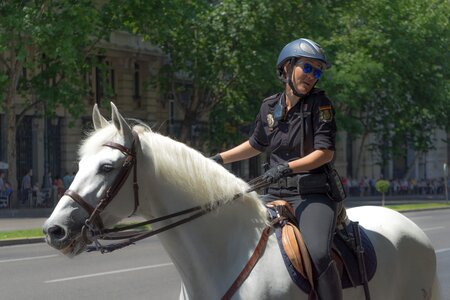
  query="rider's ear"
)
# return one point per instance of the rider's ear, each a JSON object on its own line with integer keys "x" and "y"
{"x": 97, "y": 119}
{"x": 120, "y": 123}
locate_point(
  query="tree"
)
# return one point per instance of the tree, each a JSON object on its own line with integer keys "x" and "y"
{"x": 389, "y": 76}
{"x": 382, "y": 186}
{"x": 47, "y": 48}
{"x": 221, "y": 54}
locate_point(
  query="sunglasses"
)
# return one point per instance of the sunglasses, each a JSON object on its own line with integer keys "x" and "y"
{"x": 308, "y": 68}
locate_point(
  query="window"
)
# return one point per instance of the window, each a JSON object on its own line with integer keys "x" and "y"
{"x": 103, "y": 83}
{"x": 24, "y": 147}
{"x": 136, "y": 82}
{"x": 54, "y": 145}
{"x": 99, "y": 88}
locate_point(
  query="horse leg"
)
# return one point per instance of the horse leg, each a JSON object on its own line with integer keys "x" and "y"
{"x": 183, "y": 293}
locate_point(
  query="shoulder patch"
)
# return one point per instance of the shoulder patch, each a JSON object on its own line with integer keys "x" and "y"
{"x": 325, "y": 113}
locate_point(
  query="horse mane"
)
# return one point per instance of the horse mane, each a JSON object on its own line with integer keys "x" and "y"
{"x": 201, "y": 178}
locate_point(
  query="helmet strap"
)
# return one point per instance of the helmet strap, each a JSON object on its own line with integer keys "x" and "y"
{"x": 289, "y": 79}
{"x": 289, "y": 76}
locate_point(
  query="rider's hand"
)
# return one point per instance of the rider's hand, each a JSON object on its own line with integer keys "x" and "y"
{"x": 217, "y": 158}
{"x": 277, "y": 172}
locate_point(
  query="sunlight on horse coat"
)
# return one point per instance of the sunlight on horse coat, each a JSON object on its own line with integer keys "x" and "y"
{"x": 210, "y": 251}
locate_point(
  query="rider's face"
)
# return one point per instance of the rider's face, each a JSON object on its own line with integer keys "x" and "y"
{"x": 302, "y": 80}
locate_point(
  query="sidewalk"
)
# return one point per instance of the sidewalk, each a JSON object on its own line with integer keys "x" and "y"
{"x": 17, "y": 223}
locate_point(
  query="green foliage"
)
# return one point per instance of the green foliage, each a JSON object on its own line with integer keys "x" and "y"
{"x": 382, "y": 186}
{"x": 53, "y": 43}
{"x": 390, "y": 76}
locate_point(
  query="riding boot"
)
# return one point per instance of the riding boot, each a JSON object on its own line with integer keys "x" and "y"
{"x": 329, "y": 284}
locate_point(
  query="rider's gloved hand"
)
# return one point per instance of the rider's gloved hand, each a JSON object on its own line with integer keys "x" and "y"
{"x": 274, "y": 174}
{"x": 217, "y": 158}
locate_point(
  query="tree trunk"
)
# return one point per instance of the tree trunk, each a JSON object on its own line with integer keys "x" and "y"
{"x": 186, "y": 126}
{"x": 361, "y": 148}
{"x": 411, "y": 166}
{"x": 10, "y": 109}
{"x": 191, "y": 112}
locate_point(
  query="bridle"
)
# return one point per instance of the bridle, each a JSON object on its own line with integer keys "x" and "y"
{"x": 93, "y": 229}
{"x": 94, "y": 225}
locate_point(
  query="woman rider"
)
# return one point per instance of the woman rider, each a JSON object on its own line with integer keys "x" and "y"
{"x": 297, "y": 128}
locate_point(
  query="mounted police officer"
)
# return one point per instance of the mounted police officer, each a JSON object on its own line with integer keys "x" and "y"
{"x": 297, "y": 128}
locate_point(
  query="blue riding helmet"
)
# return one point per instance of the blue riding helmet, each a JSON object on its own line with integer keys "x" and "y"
{"x": 301, "y": 48}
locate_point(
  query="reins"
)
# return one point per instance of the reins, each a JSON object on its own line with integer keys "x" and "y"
{"x": 131, "y": 238}
{"x": 94, "y": 230}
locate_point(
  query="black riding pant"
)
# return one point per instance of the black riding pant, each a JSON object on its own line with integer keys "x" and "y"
{"x": 316, "y": 215}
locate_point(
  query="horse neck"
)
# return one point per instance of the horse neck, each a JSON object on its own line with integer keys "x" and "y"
{"x": 212, "y": 248}
{"x": 209, "y": 251}
{"x": 215, "y": 246}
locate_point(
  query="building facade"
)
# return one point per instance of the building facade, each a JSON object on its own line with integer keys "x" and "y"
{"x": 52, "y": 144}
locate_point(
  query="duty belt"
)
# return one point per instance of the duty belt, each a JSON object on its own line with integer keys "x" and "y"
{"x": 285, "y": 182}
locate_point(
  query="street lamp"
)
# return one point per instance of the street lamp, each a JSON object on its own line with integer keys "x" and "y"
{"x": 446, "y": 181}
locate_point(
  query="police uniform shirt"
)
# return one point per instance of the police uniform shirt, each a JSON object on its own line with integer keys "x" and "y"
{"x": 282, "y": 138}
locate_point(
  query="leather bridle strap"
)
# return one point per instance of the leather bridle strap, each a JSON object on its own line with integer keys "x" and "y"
{"x": 89, "y": 208}
{"x": 120, "y": 179}
{"x": 250, "y": 264}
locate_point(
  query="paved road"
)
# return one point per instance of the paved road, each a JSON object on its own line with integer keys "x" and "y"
{"x": 436, "y": 225}
{"x": 142, "y": 271}
{"x": 36, "y": 271}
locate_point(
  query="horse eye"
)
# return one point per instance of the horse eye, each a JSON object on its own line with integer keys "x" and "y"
{"x": 106, "y": 168}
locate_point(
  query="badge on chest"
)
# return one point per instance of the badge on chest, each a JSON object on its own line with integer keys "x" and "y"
{"x": 270, "y": 121}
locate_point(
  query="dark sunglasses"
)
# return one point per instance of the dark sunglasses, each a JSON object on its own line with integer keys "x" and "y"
{"x": 308, "y": 68}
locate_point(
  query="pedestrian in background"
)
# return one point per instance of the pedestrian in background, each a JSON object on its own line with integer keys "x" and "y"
{"x": 26, "y": 186}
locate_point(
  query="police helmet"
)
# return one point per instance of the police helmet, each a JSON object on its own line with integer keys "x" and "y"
{"x": 301, "y": 48}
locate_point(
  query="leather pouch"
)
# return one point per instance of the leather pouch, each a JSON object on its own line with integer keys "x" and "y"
{"x": 313, "y": 184}
{"x": 336, "y": 188}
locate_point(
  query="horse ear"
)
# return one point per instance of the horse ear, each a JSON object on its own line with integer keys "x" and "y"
{"x": 120, "y": 123}
{"x": 97, "y": 119}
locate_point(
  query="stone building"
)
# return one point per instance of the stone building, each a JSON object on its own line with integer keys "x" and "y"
{"x": 52, "y": 144}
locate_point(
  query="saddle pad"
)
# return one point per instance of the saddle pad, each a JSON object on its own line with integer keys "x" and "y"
{"x": 295, "y": 249}
{"x": 296, "y": 277}
{"x": 351, "y": 276}
{"x": 294, "y": 260}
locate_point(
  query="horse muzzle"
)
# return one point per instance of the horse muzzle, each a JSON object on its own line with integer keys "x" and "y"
{"x": 69, "y": 241}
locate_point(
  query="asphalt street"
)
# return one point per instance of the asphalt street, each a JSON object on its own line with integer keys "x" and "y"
{"x": 142, "y": 271}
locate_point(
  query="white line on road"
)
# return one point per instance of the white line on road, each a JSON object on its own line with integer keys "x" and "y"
{"x": 108, "y": 273}
{"x": 28, "y": 258}
{"x": 433, "y": 228}
{"x": 442, "y": 250}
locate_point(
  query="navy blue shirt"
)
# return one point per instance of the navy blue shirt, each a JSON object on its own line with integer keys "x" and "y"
{"x": 282, "y": 138}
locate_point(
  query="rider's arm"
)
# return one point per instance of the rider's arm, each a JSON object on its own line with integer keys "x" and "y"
{"x": 241, "y": 152}
{"x": 311, "y": 161}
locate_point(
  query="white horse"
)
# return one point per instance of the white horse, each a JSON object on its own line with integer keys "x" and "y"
{"x": 210, "y": 251}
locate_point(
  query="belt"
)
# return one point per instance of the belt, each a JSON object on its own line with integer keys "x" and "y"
{"x": 285, "y": 182}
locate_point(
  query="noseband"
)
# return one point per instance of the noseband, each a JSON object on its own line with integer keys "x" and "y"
{"x": 94, "y": 223}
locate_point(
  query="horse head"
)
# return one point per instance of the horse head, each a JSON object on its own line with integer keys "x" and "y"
{"x": 103, "y": 157}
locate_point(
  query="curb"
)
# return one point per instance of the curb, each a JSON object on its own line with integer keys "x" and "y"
{"x": 13, "y": 242}
{"x": 427, "y": 209}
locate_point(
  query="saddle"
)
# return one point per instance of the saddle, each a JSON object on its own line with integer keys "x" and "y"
{"x": 344, "y": 249}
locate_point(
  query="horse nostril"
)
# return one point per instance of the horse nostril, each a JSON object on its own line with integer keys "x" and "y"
{"x": 56, "y": 232}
